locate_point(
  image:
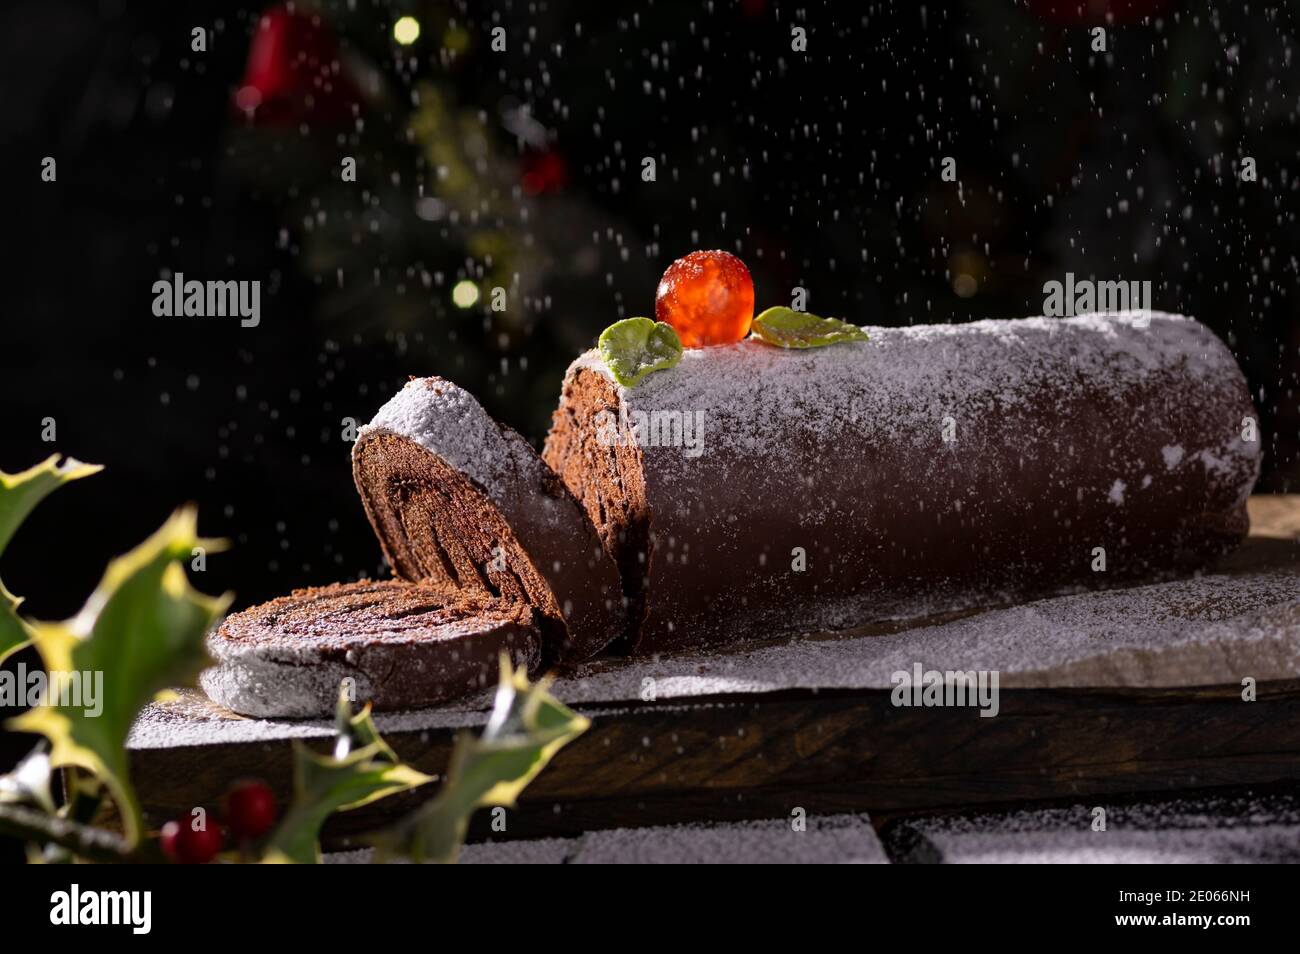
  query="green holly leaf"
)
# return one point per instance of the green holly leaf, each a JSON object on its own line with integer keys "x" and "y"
{"x": 362, "y": 769}
{"x": 30, "y": 782}
{"x": 140, "y": 633}
{"x": 787, "y": 328}
{"x": 14, "y": 634}
{"x": 527, "y": 727}
{"x": 19, "y": 493}
{"x": 634, "y": 347}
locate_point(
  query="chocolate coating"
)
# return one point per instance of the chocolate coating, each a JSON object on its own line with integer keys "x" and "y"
{"x": 930, "y": 467}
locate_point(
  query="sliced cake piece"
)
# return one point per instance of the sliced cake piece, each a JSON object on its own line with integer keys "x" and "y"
{"x": 464, "y": 504}
{"x": 402, "y": 646}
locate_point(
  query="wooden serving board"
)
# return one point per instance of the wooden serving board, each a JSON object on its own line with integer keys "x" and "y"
{"x": 1103, "y": 693}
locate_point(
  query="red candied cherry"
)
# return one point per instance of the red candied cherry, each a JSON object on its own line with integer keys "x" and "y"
{"x": 187, "y": 845}
{"x": 708, "y": 298}
{"x": 250, "y": 809}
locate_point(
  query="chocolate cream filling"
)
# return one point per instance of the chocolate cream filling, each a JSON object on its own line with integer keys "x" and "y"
{"x": 464, "y": 504}
{"x": 607, "y": 478}
{"x": 437, "y": 528}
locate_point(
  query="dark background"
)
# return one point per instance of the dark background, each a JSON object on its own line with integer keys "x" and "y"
{"x": 522, "y": 169}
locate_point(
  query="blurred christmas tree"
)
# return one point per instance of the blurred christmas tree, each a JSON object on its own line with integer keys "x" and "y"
{"x": 417, "y": 193}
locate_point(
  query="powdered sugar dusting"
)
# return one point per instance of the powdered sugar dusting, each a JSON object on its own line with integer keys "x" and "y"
{"x": 192, "y": 719}
{"x": 1202, "y": 831}
{"x": 447, "y": 421}
{"x": 835, "y": 839}
{"x": 905, "y": 380}
{"x": 1204, "y": 631}
{"x": 832, "y": 839}
{"x": 288, "y": 682}
{"x": 1116, "y": 495}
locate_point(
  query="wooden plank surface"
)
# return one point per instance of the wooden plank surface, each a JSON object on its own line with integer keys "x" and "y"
{"x": 767, "y": 745}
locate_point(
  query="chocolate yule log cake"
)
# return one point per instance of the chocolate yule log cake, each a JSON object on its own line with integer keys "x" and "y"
{"x": 717, "y": 476}
{"x": 752, "y": 489}
{"x": 402, "y": 646}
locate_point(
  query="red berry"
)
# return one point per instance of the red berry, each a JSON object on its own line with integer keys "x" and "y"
{"x": 250, "y": 809}
{"x": 708, "y": 298}
{"x": 187, "y": 845}
{"x": 167, "y": 839}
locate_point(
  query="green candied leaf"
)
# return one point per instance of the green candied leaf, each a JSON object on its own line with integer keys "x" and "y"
{"x": 787, "y": 328}
{"x": 19, "y": 493}
{"x": 634, "y": 347}
{"x": 140, "y": 633}
{"x": 527, "y": 727}
{"x": 362, "y": 769}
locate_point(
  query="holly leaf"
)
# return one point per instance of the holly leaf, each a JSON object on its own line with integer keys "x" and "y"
{"x": 29, "y": 782}
{"x": 19, "y": 494}
{"x": 362, "y": 769}
{"x": 527, "y": 727}
{"x": 138, "y": 634}
{"x": 787, "y": 328}
{"x": 357, "y": 731}
{"x": 634, "y": 347}
{"x": 14, "y": 634}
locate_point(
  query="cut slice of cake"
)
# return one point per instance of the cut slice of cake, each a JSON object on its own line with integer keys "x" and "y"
{"x": 392, "y": 644}
{"x": 465, "y": 504}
